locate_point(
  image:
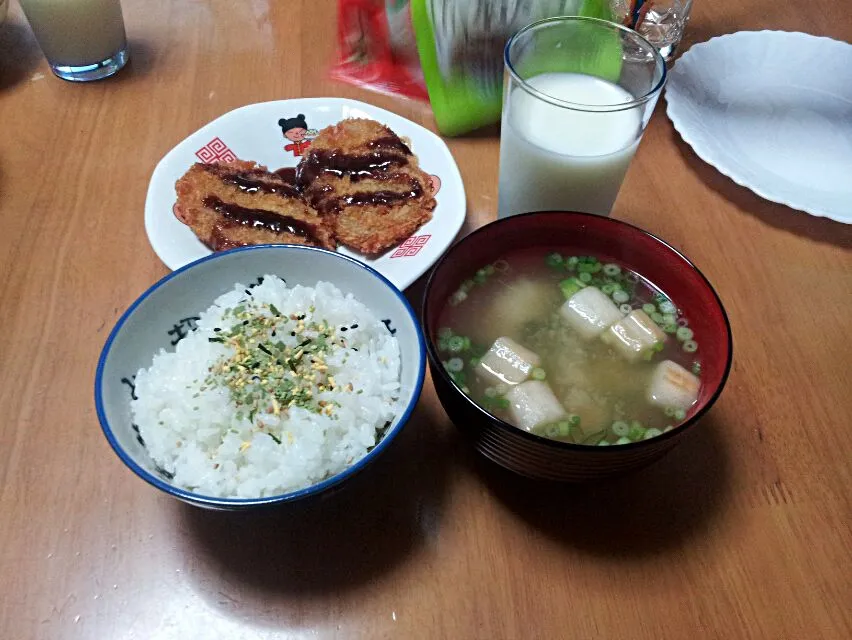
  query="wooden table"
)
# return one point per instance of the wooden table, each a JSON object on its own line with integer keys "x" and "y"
{"x": 741, "y": 532}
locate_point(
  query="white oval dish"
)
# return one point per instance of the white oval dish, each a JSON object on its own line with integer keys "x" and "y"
{"x": 772, "y": 110}
{"x": 252, "y": 133}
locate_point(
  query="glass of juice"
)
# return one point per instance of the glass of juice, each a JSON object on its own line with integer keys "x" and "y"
{"x": 577, "y": 96}
{"x": 82, "y": 39}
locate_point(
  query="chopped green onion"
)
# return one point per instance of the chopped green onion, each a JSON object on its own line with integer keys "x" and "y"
{"x": 657, "y": 318}
{"x": 690, "y": 346}
{"x": 649, "y": 308}
{"x": 455, "y": 344}
{"x": 570, "y": 286}
{"x": 596, "y": 266}
{"x": 658, "y": 346}
{"x": 669, "y": 411}
{"x": 502, "y": 403}
{"x": 574, "y": 419}
{"x": 625, "y": 308}
{"x": 585, "y": 277}
{"x": 679, "y": 414}
{"x": 682, "y": 322}
{"x": 631, "y": 277}
{"x": 696, "y": 368}
{"x": 622, "y": 440}
{"x": 467, "y": 285}
{"x": 489, "y": 269}
{"x": 667, "y": 307}
{"x": 620, "y": 428}
{"x": 653, "y": 432}
{"x": 603, "y": 443}
{"x": 564, "y": 428}
{"x": 501, "y": 266}
{"x": 443, "y": 345}
{"x": 571, "y": 263}
{"x": 467, "y": 343}
{"x": 584, "y": 267}
{"x": 538, "y": 374}
{"x": 669, "y": 318}
{"x": 553, "y": 260}
{"x": 670, "y": 328}
{"x": 620, "y": 297}
{"x": 458, "y": 297}
{"x": 474, "y": 362}
{"x": 684, "y": 334}
{"x": 480, "y": 277}
{"x": 611, "y": 269}
{"x": 455, "y": 365}
{"x": 490, "y": 392}
{"x": 608, "y": 289}
{"x": 636, "y": 433}
{"x": 445, "y": 332}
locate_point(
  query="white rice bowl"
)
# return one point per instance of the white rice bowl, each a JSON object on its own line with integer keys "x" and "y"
{"x": 194, "y": 430}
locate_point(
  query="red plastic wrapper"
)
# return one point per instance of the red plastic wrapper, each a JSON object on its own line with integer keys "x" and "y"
{"x": 377, "y": 48}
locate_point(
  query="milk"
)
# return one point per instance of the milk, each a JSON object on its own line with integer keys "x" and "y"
{"x": 76, "y": 32}
{"x": 552, "y": 157}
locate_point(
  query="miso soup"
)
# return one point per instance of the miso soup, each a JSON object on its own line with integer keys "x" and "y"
{"x": 571, "y": 348}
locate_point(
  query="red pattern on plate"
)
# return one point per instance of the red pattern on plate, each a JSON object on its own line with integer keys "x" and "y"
{"x": 215, "y": 151}
{"x": 411, "y": 247}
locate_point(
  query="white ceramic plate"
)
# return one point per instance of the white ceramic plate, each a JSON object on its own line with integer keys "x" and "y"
{"x": 253, "y": 133}
{"x": 772, "y": 110}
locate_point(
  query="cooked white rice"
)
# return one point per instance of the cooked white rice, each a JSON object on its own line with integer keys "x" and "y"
{"x": 193, "y": 428}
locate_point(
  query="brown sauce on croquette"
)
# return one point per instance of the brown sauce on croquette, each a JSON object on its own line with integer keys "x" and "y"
{"x": 248, "y": 182}
{"x": 288, "y": 175}
{"x": 375, "y": 165}
{"x": 325, "y": 205}
{"x": 390, "y": 142}
{"x": 262, "y": 219}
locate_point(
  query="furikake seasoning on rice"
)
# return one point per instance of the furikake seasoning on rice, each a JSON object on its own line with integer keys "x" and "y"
{"x": 278, "y": 388}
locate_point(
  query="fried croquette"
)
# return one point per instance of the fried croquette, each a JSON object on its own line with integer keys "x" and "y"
{"x": 367, "y": 182}
{"x": 240, "y": 203}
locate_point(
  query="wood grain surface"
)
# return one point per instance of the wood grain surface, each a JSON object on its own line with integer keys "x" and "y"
{"x": 742, "y": 532}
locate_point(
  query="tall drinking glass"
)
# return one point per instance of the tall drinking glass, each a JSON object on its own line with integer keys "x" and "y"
{"x": 662, "y": 22}
{"x": 81, "y": 39}
{"x": 578, "y": 94}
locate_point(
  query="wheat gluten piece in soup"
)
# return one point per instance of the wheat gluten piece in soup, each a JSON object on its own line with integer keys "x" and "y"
{"x": 277, "y": 389}
{"x": 571, "y": 348}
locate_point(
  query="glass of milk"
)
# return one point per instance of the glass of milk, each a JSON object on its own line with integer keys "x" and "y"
{"x": 81, "y": 39}
{"x": 577, "y": 96}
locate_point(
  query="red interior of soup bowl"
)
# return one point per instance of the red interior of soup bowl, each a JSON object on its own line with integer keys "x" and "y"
{"x": 610, "y": 241}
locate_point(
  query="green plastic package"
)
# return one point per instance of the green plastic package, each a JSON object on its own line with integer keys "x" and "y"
{"x": 461, "y": 42}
